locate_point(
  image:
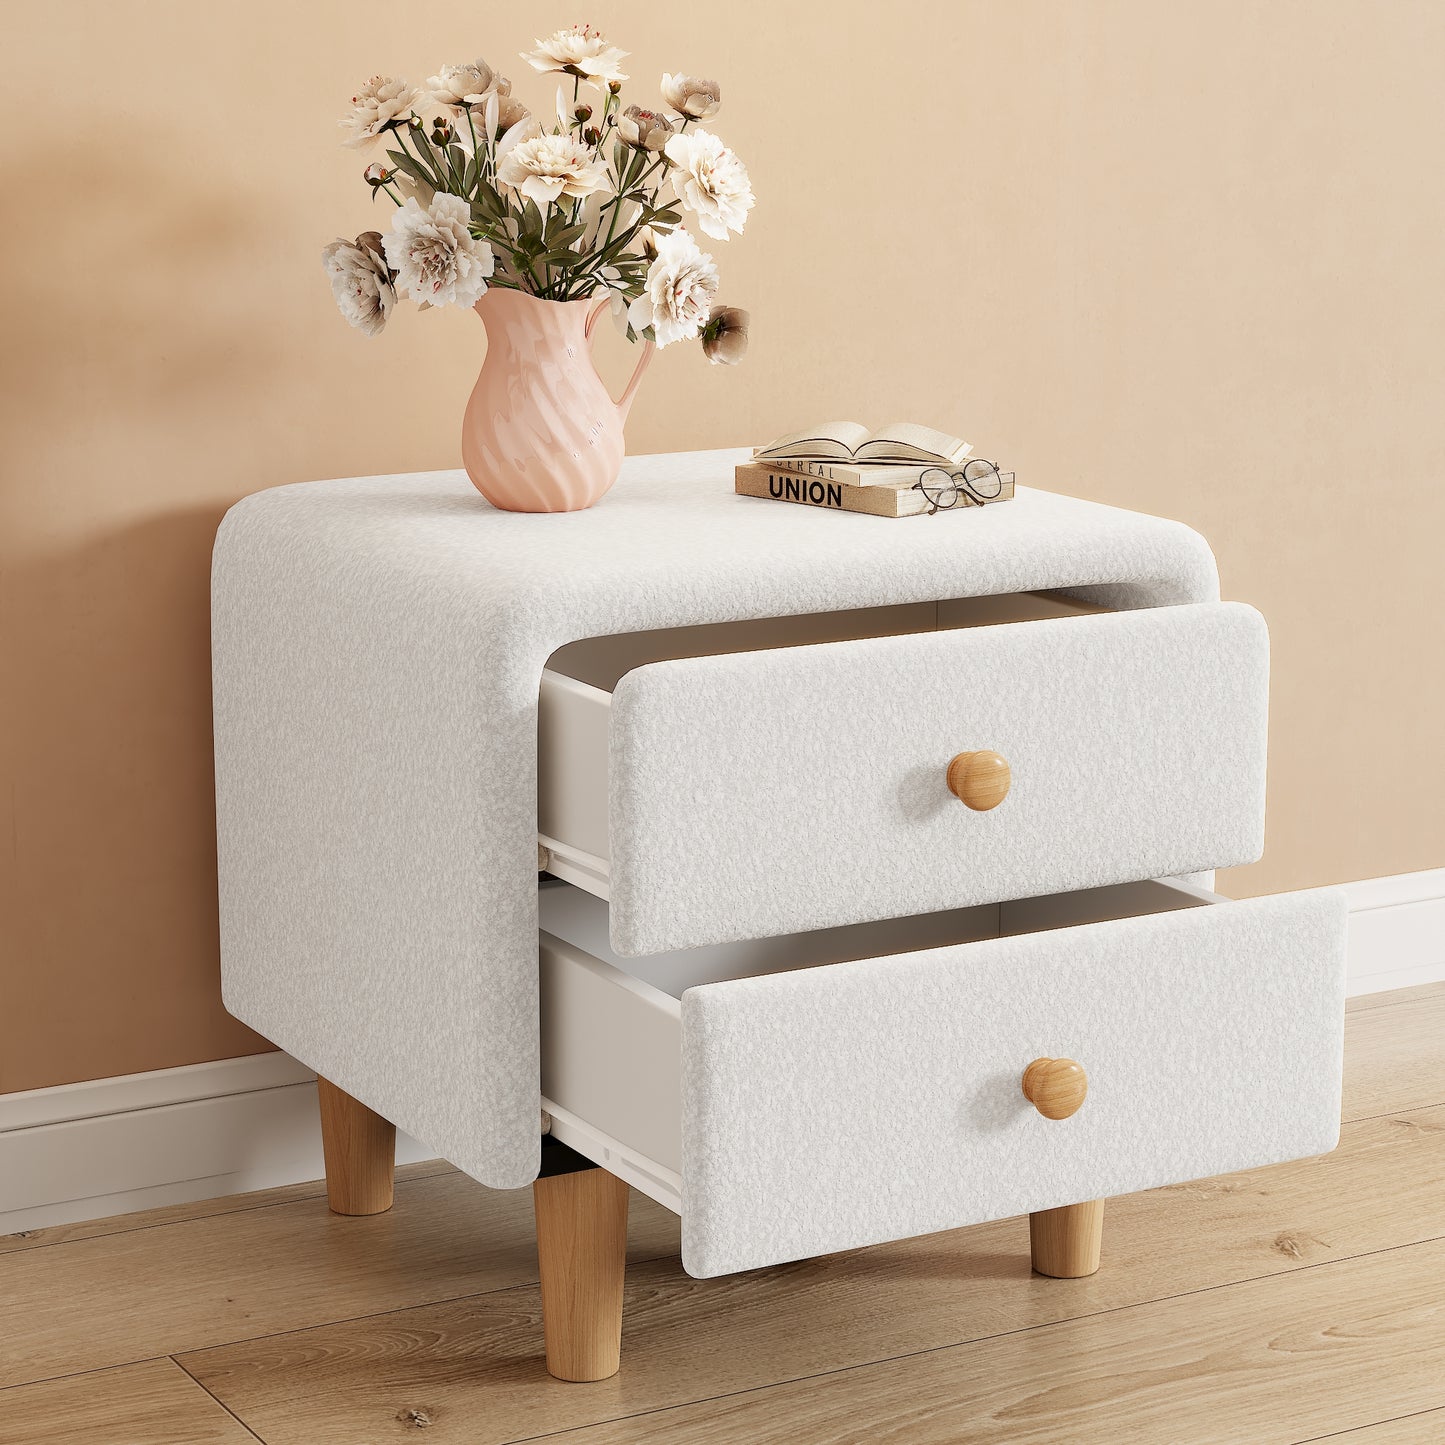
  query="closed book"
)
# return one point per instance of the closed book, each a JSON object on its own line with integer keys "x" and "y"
{"x": 856, "y": 474}
{"x": 898, "y": 499}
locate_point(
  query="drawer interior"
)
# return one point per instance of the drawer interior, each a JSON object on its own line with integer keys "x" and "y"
{"x": 580, "y": 919}
{"x": 599, "y": 662}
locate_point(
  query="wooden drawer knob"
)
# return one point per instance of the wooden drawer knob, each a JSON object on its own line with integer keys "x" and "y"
{"x": 1055, "y": 1087}
{"x": 980, "y": 779}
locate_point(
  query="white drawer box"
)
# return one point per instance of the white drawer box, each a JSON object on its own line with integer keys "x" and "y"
{"x": 792, "y": 787}
{"x": 787, "y": 1105}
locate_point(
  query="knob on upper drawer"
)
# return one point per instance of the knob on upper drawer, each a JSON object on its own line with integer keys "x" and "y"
{"x": 981, "y": 780}
{"x": 1055, "y": 1087}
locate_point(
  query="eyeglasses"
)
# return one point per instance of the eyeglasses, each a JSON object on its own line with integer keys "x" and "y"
{"x": 978, "y": 482}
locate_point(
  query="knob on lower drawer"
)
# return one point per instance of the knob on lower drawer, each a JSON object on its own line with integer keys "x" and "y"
{"x": 1055, "y": 1087}
{"x": 981, "y": 780}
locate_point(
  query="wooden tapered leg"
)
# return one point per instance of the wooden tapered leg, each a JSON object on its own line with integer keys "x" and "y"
{"x": 1065, "y": 1241}
{"x": 581, "y": 1255}
{"x": 360, "y": 1150}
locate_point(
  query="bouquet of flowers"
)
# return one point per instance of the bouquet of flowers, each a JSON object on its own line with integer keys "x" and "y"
{"x": 584, "y": 202}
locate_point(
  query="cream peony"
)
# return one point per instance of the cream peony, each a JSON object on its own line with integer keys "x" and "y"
{"x": 510, "y": 111}
{"x": 461, "y": 86}
{"x": 677, "y": 292}
{"x": 548, "y": 166}
{"x": 644, "y": 130}
{"x": 689, "y": 96}
{"x": 360, "y": 281}
{"x": 710, "y": 181}
{"x": 434, "y": 255}
{"x": 379, "y": 103}
{"x": 580, "y": 51}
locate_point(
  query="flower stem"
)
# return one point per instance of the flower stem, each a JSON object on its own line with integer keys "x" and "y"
{"x": 476, "y": 156}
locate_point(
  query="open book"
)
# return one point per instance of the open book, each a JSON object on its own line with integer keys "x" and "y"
{"x": 899, "y": 441}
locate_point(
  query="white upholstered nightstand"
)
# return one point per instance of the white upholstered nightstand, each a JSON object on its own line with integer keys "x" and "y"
{"x": 801, "y": 869}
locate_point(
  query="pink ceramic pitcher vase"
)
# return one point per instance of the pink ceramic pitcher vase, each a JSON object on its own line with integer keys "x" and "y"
{"x": 541, "y": 433}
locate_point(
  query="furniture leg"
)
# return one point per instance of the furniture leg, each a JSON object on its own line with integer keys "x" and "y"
{"x": 1065, "y": 1241}
{"x": 581, "y": 1255}
{"x": 360, "y": 1150}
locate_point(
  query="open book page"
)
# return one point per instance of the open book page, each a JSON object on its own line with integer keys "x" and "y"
{"x": 832, "y": 439}
{"x": 906, "y": 441}
{"x": 899, "y": 441}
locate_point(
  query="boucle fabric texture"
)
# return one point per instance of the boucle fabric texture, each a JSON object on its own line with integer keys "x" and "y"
{"x": 766, "y": 793}
{"x": 378, "y": 645}
{"x": 1211, "y": 1037}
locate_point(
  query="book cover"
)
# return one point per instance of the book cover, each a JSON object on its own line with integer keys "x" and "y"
{"x": 898, "y": 499}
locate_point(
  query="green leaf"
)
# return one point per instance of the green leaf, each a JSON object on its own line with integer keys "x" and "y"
{"x": 567, "y": 235}
{"x": 457, "y": 164}
{"x": 427, "y": 160}
{"x": 531, "y": 224}
{"x": 417, "y": 172}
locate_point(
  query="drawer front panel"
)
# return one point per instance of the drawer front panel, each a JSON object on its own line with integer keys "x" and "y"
{"x": 850, "y": 1104}
{"x": 775, "y": 792}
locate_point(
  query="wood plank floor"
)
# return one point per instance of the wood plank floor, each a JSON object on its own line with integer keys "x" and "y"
{"x": 1298, "y": 1303}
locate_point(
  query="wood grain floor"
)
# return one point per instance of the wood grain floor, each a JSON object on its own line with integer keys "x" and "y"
{"x": 1304, "y": 1302}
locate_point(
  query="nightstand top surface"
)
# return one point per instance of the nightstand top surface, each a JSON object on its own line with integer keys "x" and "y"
{"x": 674, "y": 523}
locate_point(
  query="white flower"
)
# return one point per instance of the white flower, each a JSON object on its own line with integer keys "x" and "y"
{"x": 434, "y": 255}
{"x": 525, "y": 129}
{"x": 360, "y": 281}
{"x": 375, "y": 106}
{"x": 643, "y": 130}
{"x": 580, "y": 51}
{"x": 548, "y": 166}
{"x": 677, "y": 292}
{"x": 710, "y": 181}
{"x": 460, "y": 86}
{"x": 692, "y": 97}
{"x": 510, "y": 110}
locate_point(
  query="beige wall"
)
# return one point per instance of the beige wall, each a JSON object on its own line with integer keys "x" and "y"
{"x": 1185, "y": 258}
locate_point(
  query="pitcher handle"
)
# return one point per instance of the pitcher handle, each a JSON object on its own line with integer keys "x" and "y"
{"x": 623, "y": 402}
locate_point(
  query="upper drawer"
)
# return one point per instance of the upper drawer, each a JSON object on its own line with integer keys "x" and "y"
{"x": 797, "y": 788}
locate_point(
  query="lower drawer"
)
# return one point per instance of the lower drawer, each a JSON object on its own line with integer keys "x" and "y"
{"x": 794, "y": 1096}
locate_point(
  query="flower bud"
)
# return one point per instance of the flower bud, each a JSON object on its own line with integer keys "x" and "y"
{"x": 583, "y": 112}
{"x": 377, "y": 175}
{"x": 615, "y": 86}
{"x": 592, "y": 135}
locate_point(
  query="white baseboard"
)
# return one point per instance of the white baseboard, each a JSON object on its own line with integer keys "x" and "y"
{"x": 111, "y": 1146}
{"x": 1397, "y": 931}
